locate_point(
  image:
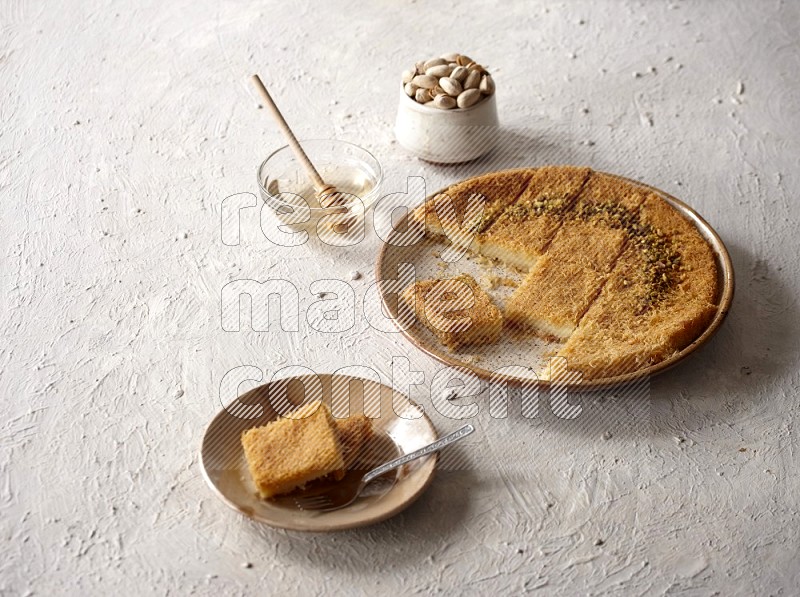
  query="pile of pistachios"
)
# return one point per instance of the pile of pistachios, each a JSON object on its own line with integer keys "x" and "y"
{"x": 447, "y": 82}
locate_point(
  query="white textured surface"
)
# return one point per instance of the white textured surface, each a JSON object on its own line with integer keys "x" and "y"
{"x": 122, "y": 131}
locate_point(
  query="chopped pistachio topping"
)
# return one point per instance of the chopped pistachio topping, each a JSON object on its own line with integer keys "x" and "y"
{"x": 542, "y": 205}
{"x": 662, "y": 261}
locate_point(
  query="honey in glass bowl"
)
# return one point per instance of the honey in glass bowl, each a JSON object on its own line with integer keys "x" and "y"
{"x": 286, "y": 189}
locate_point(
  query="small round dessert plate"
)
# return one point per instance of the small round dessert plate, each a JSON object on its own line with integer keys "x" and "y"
{"x": 400, "y": 426}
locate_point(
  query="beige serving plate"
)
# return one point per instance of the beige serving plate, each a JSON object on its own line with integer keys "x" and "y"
{"x": 528, "y": 351}
{"x": 225, "y": 468}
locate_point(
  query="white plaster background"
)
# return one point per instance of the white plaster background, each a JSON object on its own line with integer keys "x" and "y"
{"x": 124, "y": 127}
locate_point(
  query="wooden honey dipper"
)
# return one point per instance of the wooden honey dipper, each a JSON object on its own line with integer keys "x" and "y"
{"x": 327, "y": 195}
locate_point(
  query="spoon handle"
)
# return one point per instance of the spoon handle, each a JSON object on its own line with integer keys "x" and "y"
{"x": 299, "y": 153}
{"x": 430, "y": 448}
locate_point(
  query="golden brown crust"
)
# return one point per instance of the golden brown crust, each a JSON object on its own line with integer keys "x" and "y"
{"x": 665, "y": 219}
{"x": 629, "y": 326}
{"x": 471, "y": 205}
{"x": 354, "y": 432}
{"x": 697, "y": 269}
{"x": 553, "y": 297}
{"x": 569, "y": 276}
{"x": 293, "y": 450}
{"x": 521, "y": 233}
{"x": 658, "y": 299}
{"x": 612, "y": 267}
{"x": 602, "y": 189}
{"x": 458, "y": 311}
{"x": 587, "y": 244}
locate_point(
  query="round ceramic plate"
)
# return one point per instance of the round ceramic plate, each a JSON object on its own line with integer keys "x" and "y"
{"x": 484, "y": 361}
{"x": 225, "y": 468}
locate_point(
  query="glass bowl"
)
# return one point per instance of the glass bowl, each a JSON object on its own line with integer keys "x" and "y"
{"x": 285, "y": 187}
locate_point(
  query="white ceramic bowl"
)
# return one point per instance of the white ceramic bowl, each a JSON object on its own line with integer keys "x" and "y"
{"x": 447, "y": 136}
